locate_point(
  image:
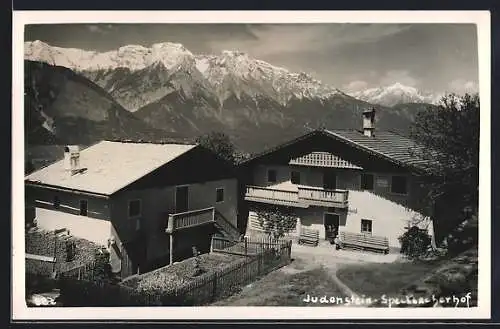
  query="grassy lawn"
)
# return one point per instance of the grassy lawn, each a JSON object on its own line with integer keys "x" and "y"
{"x": 373, "y": 280}
{"x": 284, "y": 288}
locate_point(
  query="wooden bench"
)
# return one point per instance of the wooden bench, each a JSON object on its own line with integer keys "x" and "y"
{"x": 309, "y": 237}
{"x": 364, "y": 242}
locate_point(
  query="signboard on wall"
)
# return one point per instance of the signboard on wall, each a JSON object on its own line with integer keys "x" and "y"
{"x": 382, "y": 182}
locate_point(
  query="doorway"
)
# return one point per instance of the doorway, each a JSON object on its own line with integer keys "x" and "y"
{"x": 331, "y": 222}
{"x": 181, "y": 198}
{"x": 329, "y": 180}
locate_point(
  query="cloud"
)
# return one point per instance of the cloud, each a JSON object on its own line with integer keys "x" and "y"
{"x": 100, "y": 29}
{"x": 354, "y": 86}
{"x": 401, "y": 76}
{"x": 462, "y": 86}
{"x": 279, "y": 39}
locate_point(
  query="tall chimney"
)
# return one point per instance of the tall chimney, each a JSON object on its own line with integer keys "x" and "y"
{"x": 72, "y": 158}
{"x": 369, "y": 122}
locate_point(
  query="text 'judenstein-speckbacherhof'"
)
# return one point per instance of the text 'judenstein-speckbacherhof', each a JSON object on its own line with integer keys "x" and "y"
{"x": 384, "y": 300}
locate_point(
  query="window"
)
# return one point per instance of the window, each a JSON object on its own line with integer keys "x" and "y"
{"x": 271, "y": 175}
{"x": 398, "y": 185}
{"x": 295, "y": 177}
{"x": 134, "y": 208}
{"x": 366, "y": 226}
{"x": 83, "y": 207}
{"x": 57, "y": 202}
{"x": 367, "y": 182}
{"x": 219, "y": 195}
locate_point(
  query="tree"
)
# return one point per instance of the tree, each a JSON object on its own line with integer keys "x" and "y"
{"x": 276, "y": 221}
{"x": 241, "y": 156}
{"x": 448, "y": 139}
{"x": 219, "y": 143}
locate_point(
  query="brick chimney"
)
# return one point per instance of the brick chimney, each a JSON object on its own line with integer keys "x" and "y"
{"x": 72, "y": 159}
{"x": 369, "y": 122}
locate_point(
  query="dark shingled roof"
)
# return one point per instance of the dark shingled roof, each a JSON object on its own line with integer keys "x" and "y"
{"x": 387, "y": 144}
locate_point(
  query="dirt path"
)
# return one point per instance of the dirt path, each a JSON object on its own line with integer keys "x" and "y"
{"x": 311, "y": 272}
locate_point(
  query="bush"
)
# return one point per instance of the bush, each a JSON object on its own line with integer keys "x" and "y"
{"x": 463, "y": 237}
{"x": 415, "y": 242}
{"x": 276, "y": 221}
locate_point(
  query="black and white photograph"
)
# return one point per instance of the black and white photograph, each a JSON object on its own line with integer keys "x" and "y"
{"x": 239, "y": 160}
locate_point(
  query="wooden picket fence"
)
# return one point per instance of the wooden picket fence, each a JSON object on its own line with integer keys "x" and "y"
{"x": 249, "y": 246}
{"x": 79, "y": 271}
{"x": 262, "y": 258}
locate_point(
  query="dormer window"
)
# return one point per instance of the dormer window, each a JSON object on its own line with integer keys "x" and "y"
{"x": 271, "y": 175}
{"x": 367, "y": 182}
{"x": 56, "y": 203}
{"x": 83, "y": 207}
{"x": 134, "y": 208}
{"x": 295, "y": 177}
{"x": 399, "y": 185}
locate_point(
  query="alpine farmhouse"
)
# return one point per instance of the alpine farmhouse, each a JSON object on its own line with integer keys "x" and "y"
{"x": 148, "y": 203}
{"x": 344, "y": 181}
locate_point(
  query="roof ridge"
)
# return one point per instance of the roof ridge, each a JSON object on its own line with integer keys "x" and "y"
{"x": 128, "y": 141}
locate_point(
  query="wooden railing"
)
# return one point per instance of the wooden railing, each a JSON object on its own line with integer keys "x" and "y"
{"x": 272, "y": 194}
{"x": 226, "y": 226}
{"x": 219, "y": 243}
{"x": 305, "y": 195}
{"x": 190, "y": 218}
{"x": 323, "y": 159}
{"x": 322, "y": 194}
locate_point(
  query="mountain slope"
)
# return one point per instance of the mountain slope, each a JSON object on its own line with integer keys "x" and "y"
{"x": 64, "y": 107}
{"x": 256, "y": 123}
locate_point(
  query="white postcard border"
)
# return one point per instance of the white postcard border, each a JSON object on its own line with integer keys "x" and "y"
{"x": 21, "y": 312}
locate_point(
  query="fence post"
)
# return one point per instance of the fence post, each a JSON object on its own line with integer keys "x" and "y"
{"x": 214, "y": 286}
{"x": 246, "y": 246}
{"x": 259, "y": 258}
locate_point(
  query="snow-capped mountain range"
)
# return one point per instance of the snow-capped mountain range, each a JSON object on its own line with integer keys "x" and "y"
{"x": 231, "y": 72}
{"x": 176, "y": 92}
{"x": 394, "y": 94}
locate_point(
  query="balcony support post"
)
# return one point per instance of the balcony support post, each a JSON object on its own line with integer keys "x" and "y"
{"x": 171, "y": 247}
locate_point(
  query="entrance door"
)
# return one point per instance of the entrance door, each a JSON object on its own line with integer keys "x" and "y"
{"x": 181, "y": 199}
{"x": 329, "y": 180}
{"x": 331, "y": 222}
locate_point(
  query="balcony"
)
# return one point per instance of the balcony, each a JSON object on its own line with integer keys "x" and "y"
{"x": 190, "y": 219}
{"x": 317, "y": 196}
{"x": 303, "y": 197}
{"x": 274, "y": 196}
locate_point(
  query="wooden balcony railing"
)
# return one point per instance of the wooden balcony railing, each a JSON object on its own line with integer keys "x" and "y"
{"x": 267, "y": 193}
{"x": 190, "y": 219}
{"x": 303, "y": 197}
{"x": 339, "y": 197}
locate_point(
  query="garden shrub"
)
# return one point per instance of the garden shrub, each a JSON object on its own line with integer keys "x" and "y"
{"x": 415, "y": 242}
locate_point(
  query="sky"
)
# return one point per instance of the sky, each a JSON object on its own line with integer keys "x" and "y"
{"x": 430, "y": 57}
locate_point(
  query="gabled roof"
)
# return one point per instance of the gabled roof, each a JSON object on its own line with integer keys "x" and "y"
{"x": 387, "y": 145}
{"x": 110, "y": 166}
{"x": 390, "y": 145}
